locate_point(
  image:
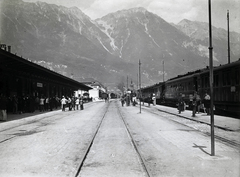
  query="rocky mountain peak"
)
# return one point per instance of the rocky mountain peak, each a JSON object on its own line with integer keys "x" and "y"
{"x": 108, "y": 48}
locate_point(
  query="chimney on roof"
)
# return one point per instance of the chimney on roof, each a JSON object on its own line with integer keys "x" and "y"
{"x": 9, "y": 49}
{"x": 3, "y": 46}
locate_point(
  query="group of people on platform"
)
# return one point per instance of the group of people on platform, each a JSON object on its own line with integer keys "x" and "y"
{"x": 132, "y": 98}
{"x": 74, "y": 103}
{"x": 29, "y": 104}
{"x": 129, "y": 98}
{"x": 151, "y": 99}
{"x": 196, "y": 103}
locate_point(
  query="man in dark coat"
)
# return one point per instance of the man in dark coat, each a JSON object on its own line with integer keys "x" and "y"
{"x": 3, "y": 108}
{"x": 180, "y": 104}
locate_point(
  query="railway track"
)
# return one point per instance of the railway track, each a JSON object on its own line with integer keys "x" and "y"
{"x": 143, "y": 162}
{"x": 89, "y": 146}
{"x": 93, "y": 153}
{"x": 134, "y": 144}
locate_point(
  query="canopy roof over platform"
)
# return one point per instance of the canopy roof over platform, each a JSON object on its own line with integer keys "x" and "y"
{"x": 9, "y": 61}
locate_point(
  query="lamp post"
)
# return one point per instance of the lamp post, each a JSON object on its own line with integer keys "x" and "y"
{"x": 228, "y": 37}
{"x": 127, "y": 82}
{"x": 163, "y": 65}
{"x": 211, "y": 80}
{"x": 140, "y": 94}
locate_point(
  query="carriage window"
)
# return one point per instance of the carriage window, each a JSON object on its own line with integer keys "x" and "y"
{"x": 202, "y": 82}
{"x": 206, "y": 83}
{"x": 228, "y": 78}
{"x": 237, "y": 77}
{"x": 215, "y": 81}
{"x": 189, "y": 86}
{"x": 224, "y": 79}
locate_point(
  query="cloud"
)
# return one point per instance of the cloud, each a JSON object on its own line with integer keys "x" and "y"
{"x": 170, "y": 10}
{"x": 173, "y": 10}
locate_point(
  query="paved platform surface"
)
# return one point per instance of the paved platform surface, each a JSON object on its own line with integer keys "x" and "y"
{"x": 223, "y": 122}
{"x": 227, "y": 123}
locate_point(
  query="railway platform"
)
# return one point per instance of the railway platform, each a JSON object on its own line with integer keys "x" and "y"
{"x": 222, "y": 122}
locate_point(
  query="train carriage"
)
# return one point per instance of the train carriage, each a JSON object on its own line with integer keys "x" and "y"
{"x": 185, "y": 85}
{"x": 226, "y": 87}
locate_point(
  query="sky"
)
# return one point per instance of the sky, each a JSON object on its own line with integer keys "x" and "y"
{"x": 172, "y": 11}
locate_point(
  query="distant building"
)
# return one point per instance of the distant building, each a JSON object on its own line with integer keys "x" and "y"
{"x": 97, "y": 89}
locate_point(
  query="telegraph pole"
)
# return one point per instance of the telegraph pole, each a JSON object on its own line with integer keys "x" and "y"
{"x": 140, "y": 94}
{"x": 127, "y": 82}
{"x": 163, "y": 70}
{"x": 211, "y": 80}
{"x": 228, "y": 37}
{"x": 137, "y": 81}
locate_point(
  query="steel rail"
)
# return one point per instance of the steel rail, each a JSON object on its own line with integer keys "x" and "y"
{"x": 91, "y": 142}
{"x": 143, "y": 161}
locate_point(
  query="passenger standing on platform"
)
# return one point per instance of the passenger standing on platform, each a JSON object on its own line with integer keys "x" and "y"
{"x": 206, "y": 103}
{"x": 37, "y": 102}
{"x": 128, "y": 99}
{"x": 73, "y": 103}
{"x": 180, "y": 104}
{"x": 149, "y": 100}
{"x": 46, "y": 105}
{"x": 154, "y": 99}
{"x": 20, "y": 105}
{"x": 198, "y": 103}
{"x": 77, "y": 103}
{"x": 194, "y": 104}
{"x": 15, "y": 104}
{"x": 63, "y": 103}
{"x": 142, "y": 99}
{"x": 3, "y": 108}
{"x": 134, "y": 98}
{"x": 69, "y": 104}
{"x": 51, "y": 103}
{"x": 123, "y": 100}
{"x": 81, "y": 103}
{"x": 41, "y": 104}
{"x": 57, "y": 102}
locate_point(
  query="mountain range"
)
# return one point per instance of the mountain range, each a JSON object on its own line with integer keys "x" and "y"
{"x": 109, "y": 49}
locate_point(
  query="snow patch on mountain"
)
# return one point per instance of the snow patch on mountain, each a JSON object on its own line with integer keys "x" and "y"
{"x": 107, "y": 29}
{"x": 202, "y": 50}
{"x": 104, "y": 46}
{"x": 121, "y": 49}
{"x": 147, "y": 31}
